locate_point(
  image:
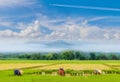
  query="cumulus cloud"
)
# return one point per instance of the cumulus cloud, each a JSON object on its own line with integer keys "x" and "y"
{"x": 62, "y": 29}
{"x": 76, "y": 31}
{"x": 7, "y": 33}
{"x": 32, "y": 31}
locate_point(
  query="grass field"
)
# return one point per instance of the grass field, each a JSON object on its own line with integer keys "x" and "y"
{"x": 28, "y": 66}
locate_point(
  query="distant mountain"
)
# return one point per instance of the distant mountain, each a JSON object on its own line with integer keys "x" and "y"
{"x": 53, "y": 44}
{"x": 58, "y": 43}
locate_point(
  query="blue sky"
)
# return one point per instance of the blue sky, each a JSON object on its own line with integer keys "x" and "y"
{"x": 25, "y": 24}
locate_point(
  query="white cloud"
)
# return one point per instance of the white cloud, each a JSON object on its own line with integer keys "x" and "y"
{"x": 2, "y": 23}
{"x": 83, "y": 31}
{"x": 68, "y": 29}
{"x": 117, "y": 35}
{"x": 12, "y": 3}
{"x": 21, "y": 25}
{"x": 97, "y": 18}
{"x": 7, "y": 34}
{"x": 32, "y": 31}
{"x": 87, "y": 7}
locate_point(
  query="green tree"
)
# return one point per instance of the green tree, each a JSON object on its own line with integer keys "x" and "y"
{"x": 24, "y": 56}
{"x": 102, "y": 57}
{"x": 92, "y": 56}
{"x": 80, "y": 55}
{"x": 67, "y": 55}
{"x": 52, "y": 56}
{"x": 56, "y": 56}
{"x": 113, "y": 57}
{"x": 49, "y": 56}
{"x": 35, "y": 56}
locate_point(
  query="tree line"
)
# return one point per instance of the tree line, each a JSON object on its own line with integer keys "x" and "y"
{"x": 64, "y": 55}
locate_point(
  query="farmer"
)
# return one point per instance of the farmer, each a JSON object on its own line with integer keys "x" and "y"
{"x": 18, "y": 72}
{"x": 61, "y": 72}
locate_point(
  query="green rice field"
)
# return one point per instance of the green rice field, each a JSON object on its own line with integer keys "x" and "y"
{"x": 30, "y": 66}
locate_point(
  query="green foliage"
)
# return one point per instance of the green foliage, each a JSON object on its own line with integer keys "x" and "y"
{"x": 52, "y": 56}
{"x": 102, "y": 57}
{"x": 92, "y": 56}
{"x": 80, "y": 56}
{"x": 67, "y": 55}
{"x": 64, "y": 55}
{"x": 113, "y": 57}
